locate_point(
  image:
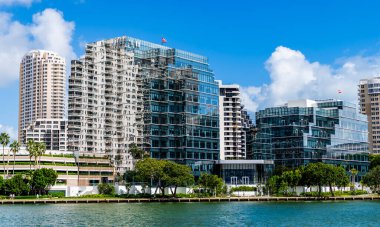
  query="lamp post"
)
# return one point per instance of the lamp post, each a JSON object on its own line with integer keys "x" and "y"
{"x": 76, "y": 155}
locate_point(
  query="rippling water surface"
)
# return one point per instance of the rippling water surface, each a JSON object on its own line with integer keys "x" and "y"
{"x": 345, "y": 213}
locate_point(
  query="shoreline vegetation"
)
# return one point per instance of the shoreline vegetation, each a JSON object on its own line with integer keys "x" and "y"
{"x": 71, "y": 200}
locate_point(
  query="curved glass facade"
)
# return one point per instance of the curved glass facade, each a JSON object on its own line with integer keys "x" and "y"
{"x": 180, "y": 96}
{"x": 328, "y": 131}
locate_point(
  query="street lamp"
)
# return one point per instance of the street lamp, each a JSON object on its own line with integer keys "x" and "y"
{"x": 76, "y": 156}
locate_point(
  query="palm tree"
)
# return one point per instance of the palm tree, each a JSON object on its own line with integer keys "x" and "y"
{"x": 31, "y": 147}
{"x": 353, "y": 172}
{"x": 4, "y": 140}
{"x": 15, "y": 148}
{"x": 40, "y": 150}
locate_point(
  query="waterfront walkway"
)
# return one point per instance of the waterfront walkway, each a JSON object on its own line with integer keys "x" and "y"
{"x": 162, "y": 200}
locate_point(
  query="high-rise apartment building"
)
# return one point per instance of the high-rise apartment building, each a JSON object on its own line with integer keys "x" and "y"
{"x": 42, "y": 89}
{"x": 305, "y": 131}
{"x": 234, "y": 123}
{"x": 104, "y": 104}
{"x": 369, "y": 102}
{"x": 127, "y": 90}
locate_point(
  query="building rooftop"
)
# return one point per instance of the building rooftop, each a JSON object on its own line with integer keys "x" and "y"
{"x": 141, "y": 45}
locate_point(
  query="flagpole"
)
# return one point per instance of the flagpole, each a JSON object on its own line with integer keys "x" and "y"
{"x": 163, "y": 40}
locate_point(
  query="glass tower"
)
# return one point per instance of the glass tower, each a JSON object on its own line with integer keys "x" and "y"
{"x": 180, "y": 99}
{"x": 305, "y": 131}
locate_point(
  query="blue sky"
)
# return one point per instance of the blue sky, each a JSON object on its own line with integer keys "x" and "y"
{"x": 239, "y": 37}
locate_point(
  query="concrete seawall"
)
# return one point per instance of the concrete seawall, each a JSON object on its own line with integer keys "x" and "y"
{"x": 183, "y": 200}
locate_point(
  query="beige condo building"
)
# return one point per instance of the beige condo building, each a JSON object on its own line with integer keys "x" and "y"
{"x": 369, "y": 101}
{"x": 42, "y": 90}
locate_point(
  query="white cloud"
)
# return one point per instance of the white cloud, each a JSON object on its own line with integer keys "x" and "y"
{"x": 294, "y": 77}
{"x": 17, "y": 2}
{"x": 48, "y": 30}
{"x": 52, "y": 32}
{"x": 12, "y": 132}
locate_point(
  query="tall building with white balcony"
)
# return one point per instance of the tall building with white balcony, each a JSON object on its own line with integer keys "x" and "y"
{"x": 104, "y": 106}
{"x": 234, "y": 123}
{"x": 42, "y": 90}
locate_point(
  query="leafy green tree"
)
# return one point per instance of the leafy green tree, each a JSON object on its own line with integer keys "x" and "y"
{"x": 43, "y": 179}
{"x": 314, "y": 175}
{"x": 2, "y": 185}
{"x": 4, "y": 140}
{"x": 292, "y": 178}
{"x": 164, "y": 173}
{"x": 136, "y": 152}
{"x": 283, "y": 189}
{"x": 15, "y": 148}
{"x": 16, "y": 185}
{"x": 331, "y": 174}
{"x": 372, "y": 179}
{"x": 342, "y": 179}
{"x": 321, "y": 174}
{"x": 211, "y": 182}
{"x": 279, "y": 169}
{"x": 132, "y": 176}
{"x": 273, "y": 184}
{"x": 374, "y": 160}
{"x": 277, "y": 185}
{"x": 152, "y": 170}
{"x": 106, "y": 189}
{"x": 176, "y": 175}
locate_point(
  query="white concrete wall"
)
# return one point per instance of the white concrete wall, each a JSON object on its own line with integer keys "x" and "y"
{"x": 300, "y": 189}
{"x": 244, "y": 193}
{"x": 138, "y": 189}
{"x": 73, "y": 191}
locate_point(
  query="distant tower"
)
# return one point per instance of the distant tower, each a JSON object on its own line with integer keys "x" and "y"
{"x": 42, "y": 95}
{"x": 234, "y": 123}
{"x": 369, "y": 101}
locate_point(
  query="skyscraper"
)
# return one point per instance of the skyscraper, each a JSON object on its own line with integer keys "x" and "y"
{"x": 42, "y": 92}
{"x": 369, "y": 101}
{"x": 305, "y": 131}
{"x": 127, "y": 90}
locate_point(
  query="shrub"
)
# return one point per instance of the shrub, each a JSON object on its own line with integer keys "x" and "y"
{"x": 106, "y": 189}
{"x": 186, "y": 195}
{"x": 315, "y": 194}
{"x": 57, "y": 194}
{"x": 358, "y": 192}
{"x": 134, "y": 196}
{"x": 243, "y": 189}
{"x": 94, "y": 196}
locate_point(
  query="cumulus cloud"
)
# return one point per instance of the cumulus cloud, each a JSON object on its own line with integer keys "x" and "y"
{"x": 52, "y": 32}
{"x": 17, "y": 2}
{"x": 48, "y": 30}
{"x": 12, "y": 132}
{"x": 294, "y": 77}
